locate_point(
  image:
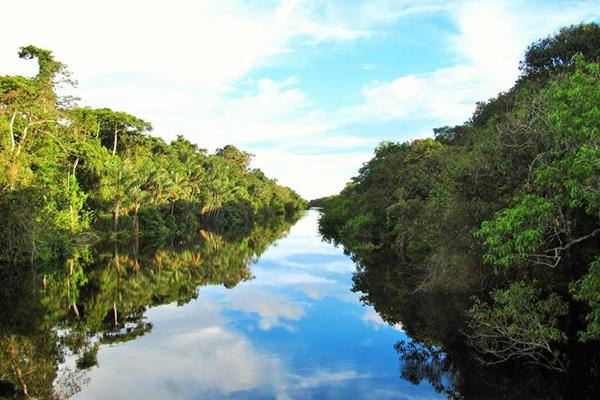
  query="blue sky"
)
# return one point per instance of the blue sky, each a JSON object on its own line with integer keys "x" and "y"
{"x": 309, "y": 87}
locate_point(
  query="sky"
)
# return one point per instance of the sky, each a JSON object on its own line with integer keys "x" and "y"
{"x": 310, "y": 87}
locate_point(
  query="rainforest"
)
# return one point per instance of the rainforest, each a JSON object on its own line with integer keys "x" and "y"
{"x": 499, "y": 220}
{"x": 464, "y": 265}
{"x": 75, "y": 174}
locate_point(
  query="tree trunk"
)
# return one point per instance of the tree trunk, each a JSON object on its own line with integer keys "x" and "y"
{"x": 14, "y": 168}
{"x": 136, "y": 236}
{"x": 116, "y": 215}
{"x": 72, "y": 216}
{"x": 16, "y": 150}
{"x": 71, "y": 210}
{"x": 135, "y": 226}
{"x": 75, "y": 164}
{"x": 115, "y": 314}
{"x": 12, "y": 133}
{"x": 116, "y": 134}
{"x": 117, "y": 260}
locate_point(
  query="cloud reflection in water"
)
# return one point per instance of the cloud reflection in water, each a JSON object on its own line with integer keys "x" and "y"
{"x": 295, "y": 331}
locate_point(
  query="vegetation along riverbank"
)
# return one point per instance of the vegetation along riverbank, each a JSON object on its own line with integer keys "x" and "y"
{"x": 500, "y": 216}
{"x": 72, "y": 174}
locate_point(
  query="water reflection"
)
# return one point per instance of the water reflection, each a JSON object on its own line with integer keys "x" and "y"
{"x": 438, "y": 352}
{"x": 204, "y": 319}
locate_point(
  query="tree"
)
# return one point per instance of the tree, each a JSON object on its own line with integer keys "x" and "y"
{"x": 115, "y": 124}
{"x": 559, "y": 51}
{"x": 505, "y": 206}
{"x": 519, "y": 325}
{"x": 31, "y": 109}
{"x": 69, "y": 172}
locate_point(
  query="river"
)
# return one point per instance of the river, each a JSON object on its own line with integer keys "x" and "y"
{"x": 294, "y": 330}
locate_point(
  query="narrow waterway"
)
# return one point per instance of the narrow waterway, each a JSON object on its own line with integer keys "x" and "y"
{"x": 294, "y": 330}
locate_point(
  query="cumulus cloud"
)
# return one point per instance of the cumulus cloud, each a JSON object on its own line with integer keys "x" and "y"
{"x": 208, "y": 42}
{"x": 490, "y": 41}
{"x": 449, "y": 94}
{"x": 185, "y": 67}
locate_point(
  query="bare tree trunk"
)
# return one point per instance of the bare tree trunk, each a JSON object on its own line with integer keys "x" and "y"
{"x": 116, "y": 215}
{"x": 72, "y": 216}
{"x": 116, "y": 134}
{"x": 12, "y": 133}
{"x": 14, "y": 162}
{"x": 136, "y": 235}
{"x": 117, "y": 260}
{"x": 75, "y": 164}
{"x": 135, "y": 226}
{"x": 16, "y": 150}
{"x": 115, "y": 314}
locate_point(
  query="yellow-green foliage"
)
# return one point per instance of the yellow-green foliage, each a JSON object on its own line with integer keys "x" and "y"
{"x": 65, "y": 169}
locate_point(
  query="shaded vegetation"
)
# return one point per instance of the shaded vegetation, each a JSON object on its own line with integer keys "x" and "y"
{"x": 502, "y": 214}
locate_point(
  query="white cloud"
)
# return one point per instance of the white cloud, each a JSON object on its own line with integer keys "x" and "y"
{"x": 372, "y": 318}
{"x": 278, "y": 111}
{"x": 209, "y": 41}
{"x": 449, "y": 94}
{"x": 182, "y": 66}
{"x": 272, "y": 309}
{"x": 312, "y": 175}
{"x": 491, "y": 40}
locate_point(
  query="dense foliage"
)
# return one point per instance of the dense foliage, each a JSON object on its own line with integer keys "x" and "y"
{"x": 505, "y": 206}
{"x": 68, "y": 174}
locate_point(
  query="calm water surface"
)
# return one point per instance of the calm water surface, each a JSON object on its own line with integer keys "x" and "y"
{"x": 294, "y": 331}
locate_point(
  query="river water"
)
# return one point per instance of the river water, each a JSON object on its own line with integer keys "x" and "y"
{"x": 295, "y": 330}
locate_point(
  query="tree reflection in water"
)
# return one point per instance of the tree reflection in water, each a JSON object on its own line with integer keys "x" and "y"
{"x": 439, "y": 353}
{"x": 55, "y": 318}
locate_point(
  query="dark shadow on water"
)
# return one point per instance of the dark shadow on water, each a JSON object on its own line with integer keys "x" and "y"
{"x": 439, "y": 353}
